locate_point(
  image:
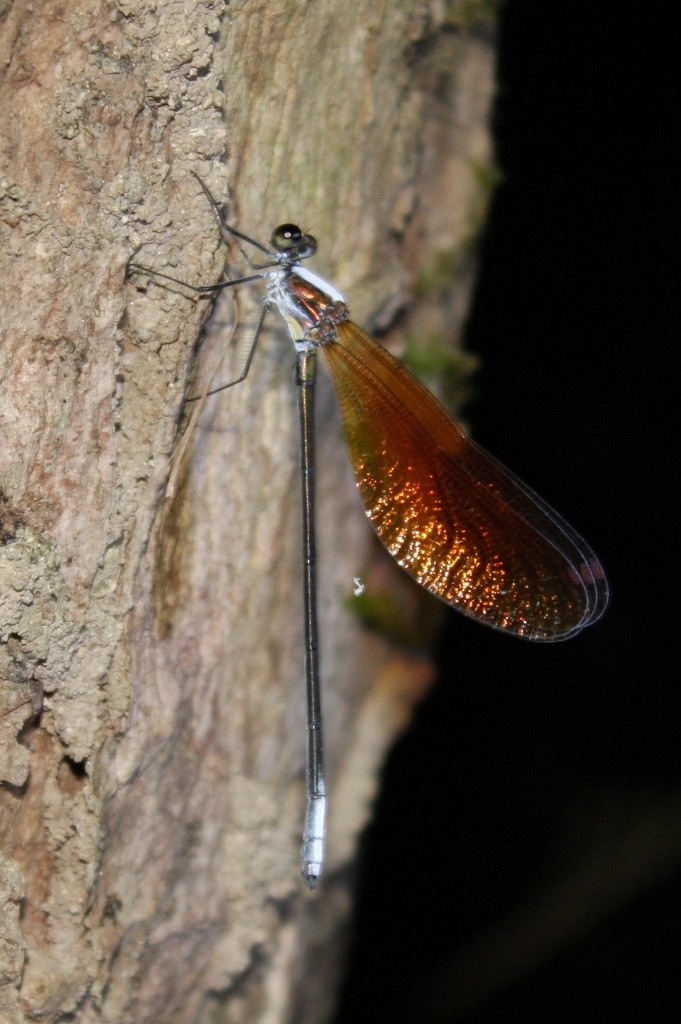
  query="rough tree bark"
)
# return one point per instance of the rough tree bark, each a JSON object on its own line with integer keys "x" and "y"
{"x": 150, "y": 650}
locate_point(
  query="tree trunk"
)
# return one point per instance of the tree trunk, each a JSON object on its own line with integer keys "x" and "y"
{"x": 151, "y": 648}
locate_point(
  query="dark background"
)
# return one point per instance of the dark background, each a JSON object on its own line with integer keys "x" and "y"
{"x": 540, "y": 785}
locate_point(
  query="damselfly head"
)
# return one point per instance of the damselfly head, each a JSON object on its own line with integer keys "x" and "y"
{"x": 289, "y": 239}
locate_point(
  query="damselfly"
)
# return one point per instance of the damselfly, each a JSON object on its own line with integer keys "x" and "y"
{"x": 462, "y": 525}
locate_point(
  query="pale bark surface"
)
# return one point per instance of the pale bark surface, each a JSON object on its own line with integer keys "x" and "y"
{"x": 150, "y": 649}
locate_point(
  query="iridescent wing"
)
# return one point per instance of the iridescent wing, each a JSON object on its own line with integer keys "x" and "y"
{"x": 460, "y": 523}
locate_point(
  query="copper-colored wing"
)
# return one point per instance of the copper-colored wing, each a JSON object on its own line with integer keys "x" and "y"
{"x": 450, "y": 514}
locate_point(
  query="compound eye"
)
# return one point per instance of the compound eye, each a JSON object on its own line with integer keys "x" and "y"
{"x": 286, "y": 236}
